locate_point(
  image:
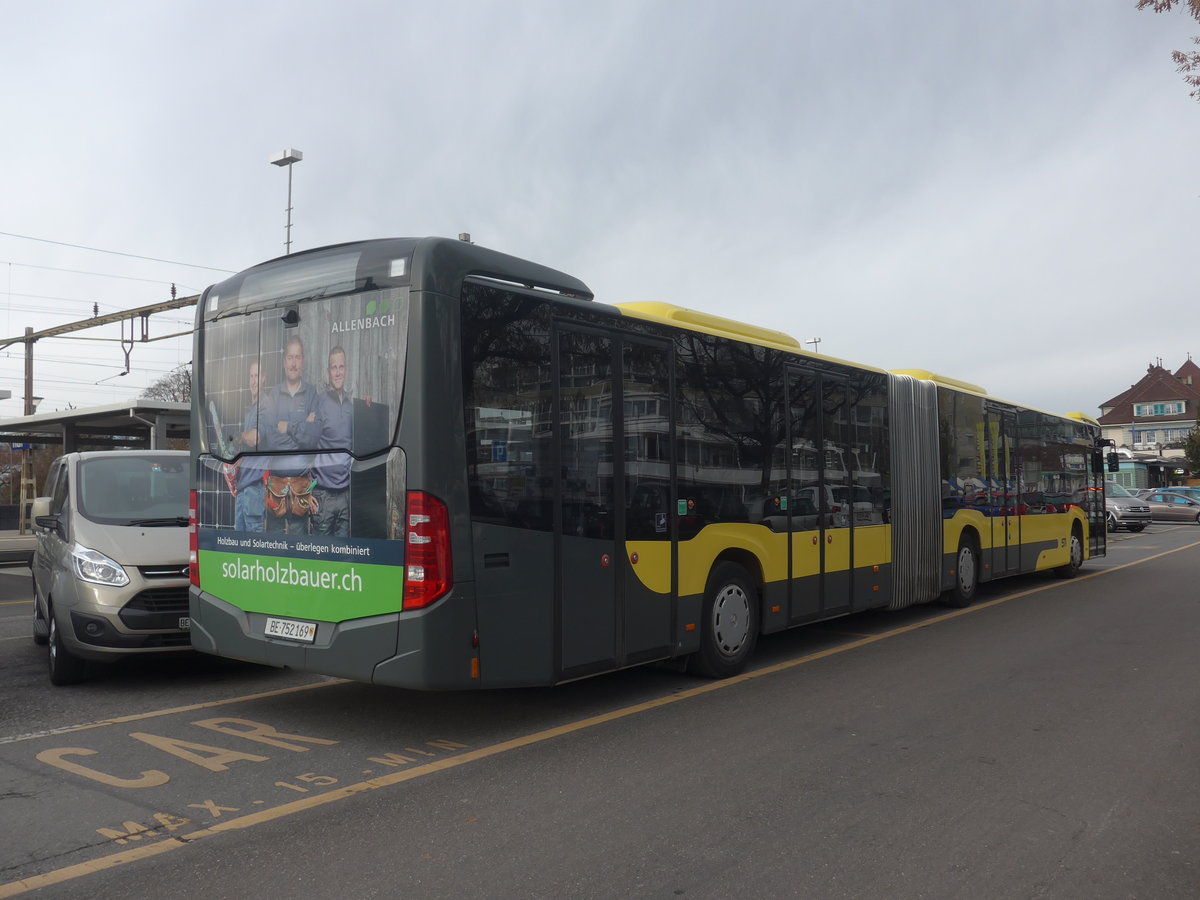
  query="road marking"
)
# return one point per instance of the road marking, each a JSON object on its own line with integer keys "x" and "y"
{"x": 154, "y": 714}
{"x": 15, "y": 602}
{"x": 69, "y": 873}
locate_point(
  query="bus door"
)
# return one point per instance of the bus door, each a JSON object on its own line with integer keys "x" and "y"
{"x": 837, "y": 571}
{"x": 1005, "y": 491}
{"x": 613, "y": 484}
{"x": 820, "y": 528}
{"x": 1091, "y": 498}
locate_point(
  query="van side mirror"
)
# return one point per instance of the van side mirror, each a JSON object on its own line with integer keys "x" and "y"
{"x": 1114, "y": 462}
{"x": 39, "y": 511}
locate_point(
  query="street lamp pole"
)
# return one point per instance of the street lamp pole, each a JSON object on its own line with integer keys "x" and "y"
{"x": 287, "y": 158}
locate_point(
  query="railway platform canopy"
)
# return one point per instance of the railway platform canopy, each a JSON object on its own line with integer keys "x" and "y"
{"x": 149, "y": 424}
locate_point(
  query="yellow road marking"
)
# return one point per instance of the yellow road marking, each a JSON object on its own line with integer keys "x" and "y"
{"x": 14, "y": 602}
{"x": 13, "y": 888}
{"x": 154, "y": 714}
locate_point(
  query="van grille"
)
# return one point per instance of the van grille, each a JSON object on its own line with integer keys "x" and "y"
{"x": 156, "y": 608}
{"x": 172, "y": 570}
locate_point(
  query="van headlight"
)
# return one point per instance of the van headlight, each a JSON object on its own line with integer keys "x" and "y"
{"x": 97, "y": 568}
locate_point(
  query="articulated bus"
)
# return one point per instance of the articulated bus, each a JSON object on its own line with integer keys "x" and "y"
{"x": 422, "y": 463}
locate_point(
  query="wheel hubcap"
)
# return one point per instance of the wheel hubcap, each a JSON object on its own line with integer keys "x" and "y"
{"x": 966, "y": 569}
{"x": 731, "y": 619}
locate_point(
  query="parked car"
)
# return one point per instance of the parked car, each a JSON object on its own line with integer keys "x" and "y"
{"x": 1168, "y": 506}
{"x": 110, "y": 570}
{"x": 1123, "y": 510}
{"x": 1193, "y": 492}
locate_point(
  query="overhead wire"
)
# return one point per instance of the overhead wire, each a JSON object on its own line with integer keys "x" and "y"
{"x": 170, "y": 262}
{"x": 156, "y": 368}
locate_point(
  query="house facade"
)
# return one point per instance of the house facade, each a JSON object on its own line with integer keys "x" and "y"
{"x": 1156, "y": 414}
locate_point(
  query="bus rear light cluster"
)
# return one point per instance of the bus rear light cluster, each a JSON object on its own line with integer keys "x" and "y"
{"x": 193, "y": 542}
{"x": 427, "y": 572}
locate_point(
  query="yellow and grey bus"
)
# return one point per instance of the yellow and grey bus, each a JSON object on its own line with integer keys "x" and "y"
{"x": 423, "y": 463}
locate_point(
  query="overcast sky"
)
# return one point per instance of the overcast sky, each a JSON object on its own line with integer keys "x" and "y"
{"x": 1005, "y": 193}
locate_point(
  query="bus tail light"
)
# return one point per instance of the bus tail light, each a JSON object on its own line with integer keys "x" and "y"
{"x": 193, "y": 542}
{"x": 427, "y": 574}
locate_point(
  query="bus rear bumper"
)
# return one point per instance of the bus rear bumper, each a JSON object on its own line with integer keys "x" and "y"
{"x": 349, "y": 649}
{"x": 384, "y": 649}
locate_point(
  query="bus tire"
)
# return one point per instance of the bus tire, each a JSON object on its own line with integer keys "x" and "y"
{"x": 729, "y": 628}
{"x": 64, "y": 668}
{"x": 1075, "y": 562}
{"x": 966, "y": 574}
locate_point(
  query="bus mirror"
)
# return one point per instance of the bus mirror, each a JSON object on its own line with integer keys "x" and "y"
{"x": 1114, "y": 462}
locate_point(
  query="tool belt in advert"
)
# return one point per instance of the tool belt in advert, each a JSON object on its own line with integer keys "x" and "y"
{"x": 290, "y": 493}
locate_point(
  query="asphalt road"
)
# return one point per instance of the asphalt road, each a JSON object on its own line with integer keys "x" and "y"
{"x": 1043, "y": 743}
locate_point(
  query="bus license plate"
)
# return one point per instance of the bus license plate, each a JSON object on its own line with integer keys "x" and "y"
{"x": 185, "y": 623}
{"x": 291, "y": 630}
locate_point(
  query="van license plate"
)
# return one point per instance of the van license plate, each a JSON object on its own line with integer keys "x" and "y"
{"x": 291, "y": 630}
{"x": 185, "y": 623}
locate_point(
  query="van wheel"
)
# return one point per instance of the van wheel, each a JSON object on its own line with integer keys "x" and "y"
{"x": 1071, "y": 569}
{"x": 729, "y": 627}
{"x": 966, "y": 575}
{"x": 64, "y": 668}
{"x": 1111, "y": 521}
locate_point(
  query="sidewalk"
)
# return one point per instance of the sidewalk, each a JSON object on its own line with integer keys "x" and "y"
{"x": 15, "y": 548}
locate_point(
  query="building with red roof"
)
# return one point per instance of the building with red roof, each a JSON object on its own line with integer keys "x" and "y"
{"x": 1157, "y": 413}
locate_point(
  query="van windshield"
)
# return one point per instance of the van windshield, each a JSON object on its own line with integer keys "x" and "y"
{"x": 1112, "y": 489}
{"x": 150, "y": 490}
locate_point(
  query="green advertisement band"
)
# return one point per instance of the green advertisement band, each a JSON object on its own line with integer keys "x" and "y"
{"x": 312, "y": 589}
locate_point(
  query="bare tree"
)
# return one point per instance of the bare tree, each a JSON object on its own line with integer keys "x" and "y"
{"x": 176, "y": 385}
{"x": 1187, "y": 64}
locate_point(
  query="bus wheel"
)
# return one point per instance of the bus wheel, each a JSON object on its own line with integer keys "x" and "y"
{"x": 64, "y": 668}
{"x": 966, "y": 575}
{"x": 730, "y": 624}
{"x": 1071, "y": 569}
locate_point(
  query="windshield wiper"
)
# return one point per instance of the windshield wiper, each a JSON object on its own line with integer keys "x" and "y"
{"x": 159, "y": 523}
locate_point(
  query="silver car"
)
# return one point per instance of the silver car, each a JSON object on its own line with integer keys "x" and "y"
{"x": 1123, "y": 510}
{"x": 1171, "y": 506}
{"x": 110, "y": 571}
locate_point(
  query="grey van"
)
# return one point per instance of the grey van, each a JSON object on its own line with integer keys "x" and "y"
{"x": 1123, "y": 510}
{"x": 110, "y": 571}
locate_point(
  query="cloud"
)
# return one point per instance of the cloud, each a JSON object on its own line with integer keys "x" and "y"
{"x": 1002, "y": 195}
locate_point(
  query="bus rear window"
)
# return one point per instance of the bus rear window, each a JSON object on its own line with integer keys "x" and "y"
{"x": 324, "y": 375}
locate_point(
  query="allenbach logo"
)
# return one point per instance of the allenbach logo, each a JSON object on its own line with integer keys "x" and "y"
{"x": 378, "y": 315}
